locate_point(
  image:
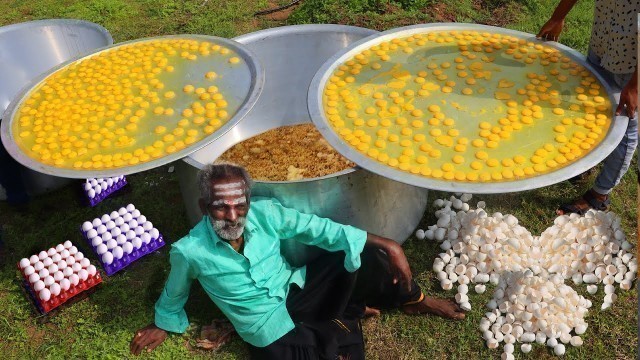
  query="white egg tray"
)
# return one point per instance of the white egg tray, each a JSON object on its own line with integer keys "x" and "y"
{"x": 98, "y": 189}
{"x": 121, "y": 237}
{"x": 55, "y": 276}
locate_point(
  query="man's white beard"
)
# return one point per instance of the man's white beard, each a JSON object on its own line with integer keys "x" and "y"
{"x": 228, "y": 230}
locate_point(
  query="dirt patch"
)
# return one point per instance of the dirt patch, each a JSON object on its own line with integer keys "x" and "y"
{"x": 279, "y": 15}
{"x": 440, "y": 13}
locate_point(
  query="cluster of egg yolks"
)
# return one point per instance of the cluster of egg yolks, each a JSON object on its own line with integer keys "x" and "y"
{"x": 467, "y": 106}
{"x": 116, "y": 109}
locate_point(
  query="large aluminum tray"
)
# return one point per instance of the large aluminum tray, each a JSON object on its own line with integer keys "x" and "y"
{"x": 598, "y": 153}
{"x": 232, "y": 85}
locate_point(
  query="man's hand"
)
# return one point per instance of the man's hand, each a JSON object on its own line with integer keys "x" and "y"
{"x": 148, "y": 337}
{"x": 551, "y": 30}
{"x": 398, "y": 264}
{"x": 629, "y": 97}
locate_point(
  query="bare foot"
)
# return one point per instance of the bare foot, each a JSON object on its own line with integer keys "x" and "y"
{"x": 371, "y": 312}
{"x": 439, "y": 307}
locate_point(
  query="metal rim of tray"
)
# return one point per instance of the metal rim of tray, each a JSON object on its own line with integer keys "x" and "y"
{"x": 28, "y": 24}
{"x": 600, "y": 152}
{"x": 287, "y": 30}
{"x": 255, "y": 88}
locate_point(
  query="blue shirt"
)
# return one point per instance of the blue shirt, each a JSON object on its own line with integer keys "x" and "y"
{"x": 250, "y": 288}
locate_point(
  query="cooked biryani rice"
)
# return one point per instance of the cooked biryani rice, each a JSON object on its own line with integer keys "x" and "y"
{"x": 287, "y": 153}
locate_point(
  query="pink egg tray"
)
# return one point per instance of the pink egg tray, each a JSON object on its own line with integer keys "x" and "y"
{"x": 54, "y": 277}
{"x": 100, "y": 188}
{"x": 121, "y": 237}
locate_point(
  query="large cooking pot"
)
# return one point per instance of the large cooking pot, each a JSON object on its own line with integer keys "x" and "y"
{"x": 30, "y": 49}
{"x": 291, "y": 55}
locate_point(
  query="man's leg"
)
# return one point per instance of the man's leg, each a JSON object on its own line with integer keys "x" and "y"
{"x": 327, "y": 290}
{"x": 318, "y": 311}
{"x": 375, "y": 288}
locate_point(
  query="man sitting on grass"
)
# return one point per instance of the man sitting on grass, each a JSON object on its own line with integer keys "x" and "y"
{"x": 282, "y": 312}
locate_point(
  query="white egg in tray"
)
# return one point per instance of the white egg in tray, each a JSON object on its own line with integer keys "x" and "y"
{"x": 121, "y": 237}
{"x": 97, "y": 189}
{"x": 55, "y": 276}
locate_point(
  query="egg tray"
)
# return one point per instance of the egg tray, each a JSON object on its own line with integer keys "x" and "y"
{"x": 44, "y": 307}
{"x": 127, "y": 259}
{"x": 106, "y": 193}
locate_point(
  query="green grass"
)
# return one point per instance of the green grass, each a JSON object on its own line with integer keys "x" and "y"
{"x": 101, "y": 325}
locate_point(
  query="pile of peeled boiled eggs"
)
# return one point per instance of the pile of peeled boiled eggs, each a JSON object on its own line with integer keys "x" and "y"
{"x": 531, "y": 302}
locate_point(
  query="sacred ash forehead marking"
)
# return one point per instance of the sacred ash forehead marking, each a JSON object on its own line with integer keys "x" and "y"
{"x": 236, "y": 201}
{"x": 229, "y": 185}
{"x": 229, "y": 192}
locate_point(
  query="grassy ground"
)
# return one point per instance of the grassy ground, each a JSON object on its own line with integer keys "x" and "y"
{"x": 102, "y": 325}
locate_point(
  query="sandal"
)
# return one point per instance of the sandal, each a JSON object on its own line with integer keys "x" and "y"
{"x": 585, "y": 203}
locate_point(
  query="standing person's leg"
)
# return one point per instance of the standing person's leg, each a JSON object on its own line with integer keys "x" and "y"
{"x": 617, "y": 163}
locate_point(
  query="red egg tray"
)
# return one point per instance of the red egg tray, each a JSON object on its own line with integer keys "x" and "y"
{"x": 65, "y": 295}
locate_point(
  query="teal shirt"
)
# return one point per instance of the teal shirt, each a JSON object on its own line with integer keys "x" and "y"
{"x": 250, "y": 288}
